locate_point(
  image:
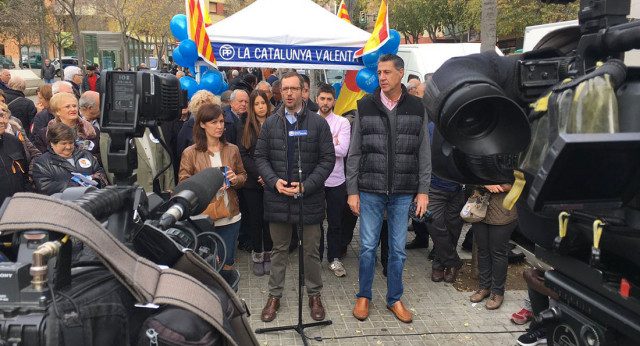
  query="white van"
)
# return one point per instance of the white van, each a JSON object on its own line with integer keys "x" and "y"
{"x": 422, "y": 59}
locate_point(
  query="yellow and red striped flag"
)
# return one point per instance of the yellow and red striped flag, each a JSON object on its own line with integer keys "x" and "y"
{"x": 350, "y": 93}
{"x": 197, "y": 21}
{"x": 343, "y": 13}
{"x": 380, "y": 33}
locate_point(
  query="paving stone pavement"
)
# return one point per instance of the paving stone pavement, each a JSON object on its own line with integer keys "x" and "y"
{"x": 436, "y": 307}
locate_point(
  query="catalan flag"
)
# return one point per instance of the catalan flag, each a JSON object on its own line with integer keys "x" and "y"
{"x": 343, "y": 13}
{"x": 380, "y": 33}
{"x": 197, "y": 21}
{"x": 350, "y": 93}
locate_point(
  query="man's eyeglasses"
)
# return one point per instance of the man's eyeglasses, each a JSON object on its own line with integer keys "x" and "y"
{"x": 292, "y": 89}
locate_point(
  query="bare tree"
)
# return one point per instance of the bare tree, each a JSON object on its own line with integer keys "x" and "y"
{"x": 19, "y": 25}
{"x": 72, "y": 8}
{"x": 127, "y": 14}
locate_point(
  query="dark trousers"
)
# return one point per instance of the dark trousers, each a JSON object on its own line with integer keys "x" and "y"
{"x": 445, "y": 227}
{"x": 349, "y": 221}
{"x": 260, "y": 237}
{"x": 384, "y": 243}
{"x": 493, "y": 249}
{"x": 336, "y": 198}
{"x": 245, "y": 222}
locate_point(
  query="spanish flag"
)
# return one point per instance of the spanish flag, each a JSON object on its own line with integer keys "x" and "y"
{"x": 380, "y": 33}
{"x": 343, "y": 13}
{"x": 197, "y": 21}
{"x": 350, "y": 93}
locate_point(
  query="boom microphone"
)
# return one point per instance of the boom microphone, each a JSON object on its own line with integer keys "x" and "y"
{"x": 192, "y": 196}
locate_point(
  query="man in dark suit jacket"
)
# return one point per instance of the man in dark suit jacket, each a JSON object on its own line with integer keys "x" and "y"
{"x": 233, "y": 114}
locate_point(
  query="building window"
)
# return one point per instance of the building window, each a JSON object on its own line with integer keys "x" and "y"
{"x": 213, "y": 7}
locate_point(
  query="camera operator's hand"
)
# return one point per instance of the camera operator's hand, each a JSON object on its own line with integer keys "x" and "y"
{"x": 232, "y": 177}
{"x": 354, "y": 204}
{"x": 494, "y": 188}
{"x": 422, "y": 201}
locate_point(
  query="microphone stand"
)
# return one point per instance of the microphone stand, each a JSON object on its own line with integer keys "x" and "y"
{"x": 299, "y": 328}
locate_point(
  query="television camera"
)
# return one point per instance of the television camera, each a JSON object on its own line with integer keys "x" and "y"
{"x": 573, "y": 157}
{"x": 39, "y": 267}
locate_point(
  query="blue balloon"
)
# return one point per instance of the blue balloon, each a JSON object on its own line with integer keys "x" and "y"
{"x": 177, "y": 58}
{"x": 337, "y": 86}
{"x": 225, "y": 87}
{"x": 367, "y": 80}
{"x": 178, "y": 27}
{"x": 391, "y": 46}
{"x": 190, "y": 85}
{"x": 189, "y": 51}
{"x": 211, "y": 82}
{"x": 215, "y": 71}
{"x": 370, "y": 60}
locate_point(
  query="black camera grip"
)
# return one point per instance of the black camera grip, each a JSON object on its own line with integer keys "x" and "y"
{"x": 622, "y": 38}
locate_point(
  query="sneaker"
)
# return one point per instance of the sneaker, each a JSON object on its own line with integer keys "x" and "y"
{"x": 533, "y": 337}
{"x": 521, "y": 317}
{"x": 337, "y": 268}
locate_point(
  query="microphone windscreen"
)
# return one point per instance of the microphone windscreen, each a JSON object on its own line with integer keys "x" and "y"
{"x": 205, "y": 184}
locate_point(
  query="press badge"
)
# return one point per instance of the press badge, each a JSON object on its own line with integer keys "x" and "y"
{"x": 297, "y": 133}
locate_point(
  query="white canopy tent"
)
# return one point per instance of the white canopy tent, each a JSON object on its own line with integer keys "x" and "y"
{"x": 286, "y": 33}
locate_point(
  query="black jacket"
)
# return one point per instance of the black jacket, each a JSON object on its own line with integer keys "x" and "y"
{"x": 248, "y": 158}
{"x": 52, "y": 173}
{"x": 40, "y": 121}
{"x": 21, "y": 108}
{"x": 185, "y": 137}
{"x": 318, "y": 158}
{"x": 14, "y": 169}
{"x": 231, "y": 124}
{"x": 48, "y": 72}
{"x": 87, "y": 87}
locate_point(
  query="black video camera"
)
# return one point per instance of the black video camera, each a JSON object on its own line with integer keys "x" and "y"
{"x": 563, "y": 120}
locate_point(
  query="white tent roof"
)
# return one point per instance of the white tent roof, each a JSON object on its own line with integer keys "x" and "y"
{"x": 286, "y": 33}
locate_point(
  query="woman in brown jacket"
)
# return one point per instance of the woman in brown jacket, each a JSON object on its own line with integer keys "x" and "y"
{"x": 492, "y": 236}
{"x": 210, "y": 149}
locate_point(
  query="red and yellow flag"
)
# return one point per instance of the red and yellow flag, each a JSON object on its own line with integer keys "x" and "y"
{"x": 350, "y": 93}
{"x": 197, "y": 21}
{"x": 343, "y": 13}
{"x": 380, "y": 33}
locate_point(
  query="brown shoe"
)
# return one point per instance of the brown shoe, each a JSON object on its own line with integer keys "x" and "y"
{"x": 479, "y": 295}
{"x": 494, "y": 302}
{"x": 437, "y": 275}
{"x": 361, "y": 310}
{"x": 451, "y": 274}
{"x": 317, "y": 310}
{"x": 401, "y": 312}
{"x": 269, "y": 311}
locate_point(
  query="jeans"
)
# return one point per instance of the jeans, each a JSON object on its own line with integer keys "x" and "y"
{"x": 372, "y": 208}
{"x": 48, "y": 81}
{"x": 336, "y": 198}
{"x": 229, "y": 234}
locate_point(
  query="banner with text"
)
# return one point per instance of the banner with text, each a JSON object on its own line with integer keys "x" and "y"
{"x": 303, "y": 57}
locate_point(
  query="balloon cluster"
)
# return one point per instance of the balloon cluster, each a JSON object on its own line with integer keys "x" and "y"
{"x": 186, "y": 55}
{"x": 367, "y": 78}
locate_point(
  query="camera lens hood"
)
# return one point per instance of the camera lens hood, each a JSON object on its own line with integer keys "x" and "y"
{"x": 479, "y": 119}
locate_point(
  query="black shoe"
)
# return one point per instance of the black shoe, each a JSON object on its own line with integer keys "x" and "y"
{"x": 384, "y": 271}
{"x": 416, "y": 244}
{"x": 293, "y": 246}
{"x": 245, "y": 246}
{"x": 432, "y": 255}
{"x": 515, "y": 257}
{"x": 533, "y": 337}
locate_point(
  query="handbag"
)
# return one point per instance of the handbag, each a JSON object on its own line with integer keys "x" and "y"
{"x": 476, "y": 207}
{"x": 217, "y": 209}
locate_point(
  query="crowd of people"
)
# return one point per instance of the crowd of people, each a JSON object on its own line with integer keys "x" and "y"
{"x": 275, "y": 143}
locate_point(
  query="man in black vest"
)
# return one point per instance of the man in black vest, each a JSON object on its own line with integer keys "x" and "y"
{"x": 388, "y": 167}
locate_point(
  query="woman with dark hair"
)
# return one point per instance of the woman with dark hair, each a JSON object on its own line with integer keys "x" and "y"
{"x": 65, "y": 164}
{"x": 210, "y": 149}
{"x": 253, "y": 189}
